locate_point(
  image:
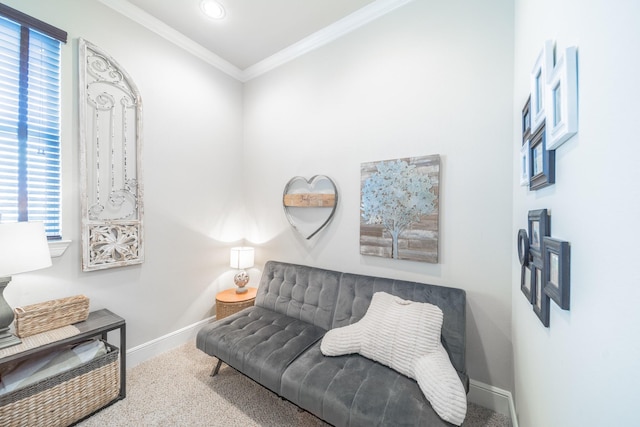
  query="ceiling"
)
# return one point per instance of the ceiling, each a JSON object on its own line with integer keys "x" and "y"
{"x": 253, "y": 31}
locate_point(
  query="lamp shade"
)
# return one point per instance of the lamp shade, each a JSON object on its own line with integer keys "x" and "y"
{"x": 23, "y": 248}
{"x": 241, "y": 257}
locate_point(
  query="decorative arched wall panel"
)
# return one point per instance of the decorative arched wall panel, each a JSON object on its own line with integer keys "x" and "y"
{"x": 110, "y": 112}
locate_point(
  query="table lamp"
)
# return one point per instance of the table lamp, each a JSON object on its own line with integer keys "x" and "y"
{"x": 23, "y": 248}
{"x": 241, "y": 257}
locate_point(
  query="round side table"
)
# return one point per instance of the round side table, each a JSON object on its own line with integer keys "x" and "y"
{"x": 229, "y": 302}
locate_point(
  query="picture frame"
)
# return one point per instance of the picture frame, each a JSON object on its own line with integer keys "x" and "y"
{"x": 523, "y": 247}
{"x": 539, "y": 228}
{"x": 525, "y": 283}
{"x": 556, "y": 267}
{"x": 541, "y": 301}
{"x": 538, "y": 81}
{"x": 525, "y": 176}
{"x": 562, "y": 96}
{"x": 542, "y": 162}
{"x": 526, "y": 120}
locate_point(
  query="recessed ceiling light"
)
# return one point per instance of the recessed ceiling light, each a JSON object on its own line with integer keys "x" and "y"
{"x": 213, "y": 9}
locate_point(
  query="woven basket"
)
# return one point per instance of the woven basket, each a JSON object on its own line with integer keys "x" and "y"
{"x": 48, "y": 315}
{"x": 224, "y": 309}
{"x": 65, "y": 398}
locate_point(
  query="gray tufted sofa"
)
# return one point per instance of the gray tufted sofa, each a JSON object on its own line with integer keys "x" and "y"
{"x": 277, "y": 344}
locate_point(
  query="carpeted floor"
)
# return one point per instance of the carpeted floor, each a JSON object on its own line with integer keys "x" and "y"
{"x": 175, "y": 389}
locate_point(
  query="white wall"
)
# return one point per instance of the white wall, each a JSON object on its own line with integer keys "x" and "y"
{"x": 583, "y": 370}
{"x": 429, "y": 78}
{"x": 192, "y": 130}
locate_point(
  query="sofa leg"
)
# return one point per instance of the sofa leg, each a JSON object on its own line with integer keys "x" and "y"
{"x": 216, "y": 369}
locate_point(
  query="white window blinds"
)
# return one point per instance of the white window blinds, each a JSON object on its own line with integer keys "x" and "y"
{"x": 29, "y": 124}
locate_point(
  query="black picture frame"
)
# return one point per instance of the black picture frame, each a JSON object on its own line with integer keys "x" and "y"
{"x": 525, "y": 283}
{"x": 526, "y": 120}
{"x": 539, "y": 228}
{"x": 523, "y": 247}
{"x": 556, "y": 259}
{"x": 542, "y": 162}
{"x": 541, "y": 301}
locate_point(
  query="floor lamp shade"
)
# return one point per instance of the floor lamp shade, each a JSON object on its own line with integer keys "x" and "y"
{"x": 23, "y": 248}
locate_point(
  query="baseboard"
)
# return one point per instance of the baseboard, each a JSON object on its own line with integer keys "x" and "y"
{"x": 493, "y": 398}
{"x": 148, "y": 350}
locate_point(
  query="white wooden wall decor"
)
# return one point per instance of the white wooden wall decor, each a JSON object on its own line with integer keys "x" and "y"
{"x": 110, "y": 110}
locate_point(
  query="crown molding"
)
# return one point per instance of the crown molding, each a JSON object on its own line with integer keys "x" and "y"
{"x": 143, "y": 18}
{"x": 328, "y": 34}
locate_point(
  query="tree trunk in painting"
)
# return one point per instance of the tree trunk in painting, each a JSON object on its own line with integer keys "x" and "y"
{"x": 394, "y": 245}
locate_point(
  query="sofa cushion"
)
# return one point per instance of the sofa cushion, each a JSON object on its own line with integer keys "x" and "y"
{"x": 405, "y": 335}
{"x": 305, "y": 293}
{"x": 354, "y": 391}
{"x": 258, "y": 342}
{"x": 355, "y": 295}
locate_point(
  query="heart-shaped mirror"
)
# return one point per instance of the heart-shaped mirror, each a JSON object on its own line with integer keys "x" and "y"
{"x": 309, "y": 204}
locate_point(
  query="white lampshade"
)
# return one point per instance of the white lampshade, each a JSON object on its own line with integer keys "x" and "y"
{"x": 23, "y": 248}
{"x": 241, "y": 257}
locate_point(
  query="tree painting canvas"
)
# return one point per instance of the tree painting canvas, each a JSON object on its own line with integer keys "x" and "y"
{"x": 399, "y": 208}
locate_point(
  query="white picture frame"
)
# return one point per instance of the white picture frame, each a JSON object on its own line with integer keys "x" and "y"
{"x": 562, "y": 96}
{"x": 524, "y": 164}
{"x": 538, "y": 79}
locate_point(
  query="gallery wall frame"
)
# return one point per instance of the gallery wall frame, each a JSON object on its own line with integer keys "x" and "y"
{"x": 526, "y": 120}
{"x": 541, "y": 301}
{"x": 556, "y": 266}
{"x": 550, "y": 114}
{"x": 525, "y": 170}
{"x": 542, "y": 162}
{"x": 539, "y": 228}
{"x": 525, "y": 174}
{"x": 523, "y": 247}
{"x": 562, "y": 96}
{"x": 524, "y": 258}
{"x": 525, "y": 283}
{"x": 538, "y": 81}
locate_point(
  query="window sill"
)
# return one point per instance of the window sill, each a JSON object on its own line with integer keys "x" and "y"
{"x": 58, "y": 247}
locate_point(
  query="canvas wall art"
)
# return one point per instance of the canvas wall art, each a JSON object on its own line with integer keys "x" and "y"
{"x": 399, "y": 208}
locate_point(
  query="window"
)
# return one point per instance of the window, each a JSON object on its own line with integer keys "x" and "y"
{"x": 30, "y": 120}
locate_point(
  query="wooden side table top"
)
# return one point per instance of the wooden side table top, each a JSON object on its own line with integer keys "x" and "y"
{"x": 230, "y": 295}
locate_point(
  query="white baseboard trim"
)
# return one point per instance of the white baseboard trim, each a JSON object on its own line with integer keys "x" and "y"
{"x": 493, "y": 398}
{"x": 148, "y": 350}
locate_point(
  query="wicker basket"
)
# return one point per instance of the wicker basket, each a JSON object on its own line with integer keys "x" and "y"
{"x": 224, "y": 309}
{"x": 48, "y": 315}
{"x": 65, "y": 398}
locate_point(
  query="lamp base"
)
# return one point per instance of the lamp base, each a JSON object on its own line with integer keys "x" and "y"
{"x": 241, "y": 279}
{"x": 7, "y": 339}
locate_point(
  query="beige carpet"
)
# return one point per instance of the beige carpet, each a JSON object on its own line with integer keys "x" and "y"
{"x": 175, "y": 389}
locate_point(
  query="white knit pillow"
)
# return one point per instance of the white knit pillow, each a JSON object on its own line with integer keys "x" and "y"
{"x": 405, "y": 336}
